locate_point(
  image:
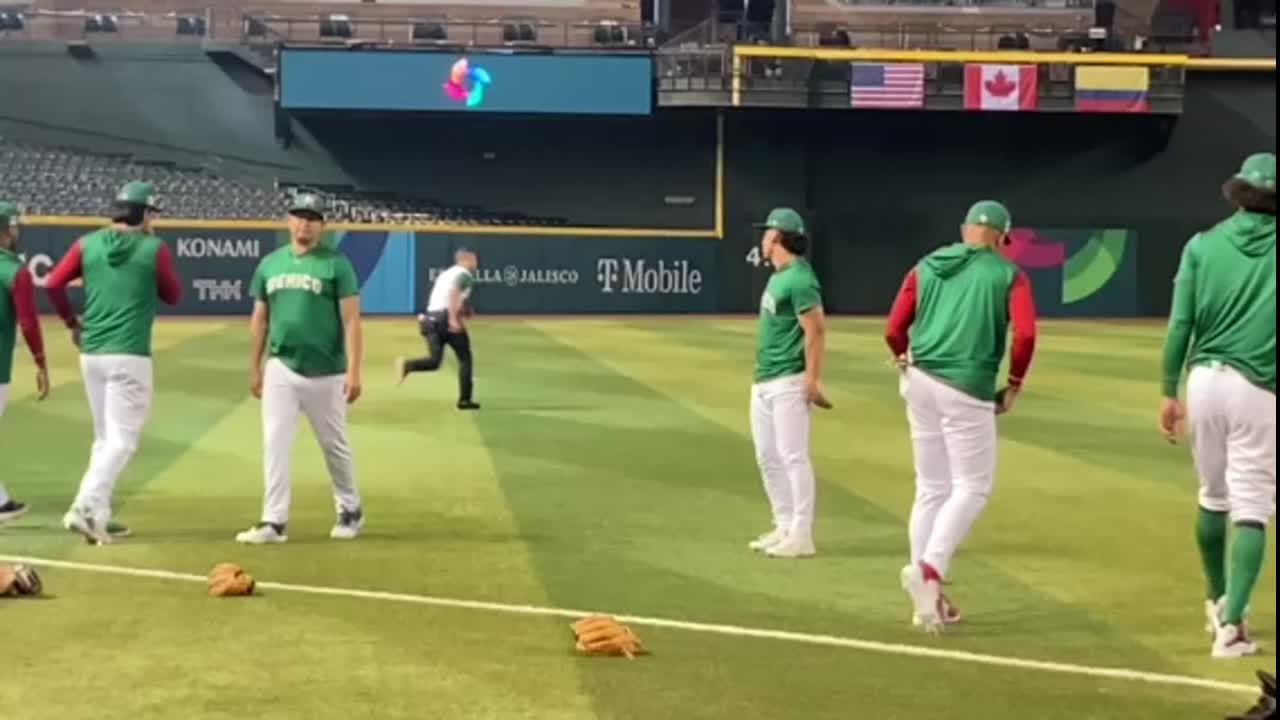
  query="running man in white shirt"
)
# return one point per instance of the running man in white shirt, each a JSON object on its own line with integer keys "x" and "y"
{"x": 443, "y": 324}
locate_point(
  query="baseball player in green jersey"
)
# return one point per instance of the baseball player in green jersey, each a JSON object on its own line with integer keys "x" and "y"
{"x": 788, "y": 381}
{"x": 306, "y": 317}
{"x": 1223, "y": 327}
{"x": 947, "y": 331}
{"x": 126, "y": 270}
{"x": 17, "y": 310}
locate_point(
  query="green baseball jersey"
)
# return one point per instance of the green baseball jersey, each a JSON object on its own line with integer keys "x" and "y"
{"x": 303, "y": 295}
{"x": 1224, "y": 302}
{"x": 962, "y": 316}
{"x": 9, "y": 267}
{"x": 793, "y": 289}
{"x": 120, "y": 291}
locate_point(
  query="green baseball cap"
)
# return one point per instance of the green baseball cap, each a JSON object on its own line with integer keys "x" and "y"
{"x": 1259, "y": 170}
{"x": 305, "y": 203}
{"x": 989, "y": 213}
{"x": 9, "y": 215}
{"x": 784, "y": 219}
{"x": 139, "y": 192}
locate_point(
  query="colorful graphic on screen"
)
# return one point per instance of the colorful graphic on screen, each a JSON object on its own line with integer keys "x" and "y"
{"x": 1085, "y": 272}
{"x": 467, "y": 83}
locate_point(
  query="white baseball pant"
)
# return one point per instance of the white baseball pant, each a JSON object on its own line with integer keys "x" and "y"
{"x": 4, "y": 398}
{"x": 953, "y": 436}
{"x": 321, "y": 399}
{"x": 1233, "y": 439}
{"x": 119, "y": 389}
{"x": 780, "y": 429}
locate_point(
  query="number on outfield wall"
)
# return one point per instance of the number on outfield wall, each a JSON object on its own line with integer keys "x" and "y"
{"x": 754, "y": 259}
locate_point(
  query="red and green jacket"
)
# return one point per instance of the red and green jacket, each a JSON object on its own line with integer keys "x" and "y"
{"x": 1224, "y": 302}
{"x": 17, "y": 310}
{"x": 125, "y": 272}
{"x": 953, "y": 313}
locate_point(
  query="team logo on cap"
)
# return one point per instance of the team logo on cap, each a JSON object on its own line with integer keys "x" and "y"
{"x": 467, "y": 83}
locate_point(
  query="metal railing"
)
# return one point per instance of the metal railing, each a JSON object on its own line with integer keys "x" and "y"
{"x": 701, "y": 79}
{"x": 437, "y": 31}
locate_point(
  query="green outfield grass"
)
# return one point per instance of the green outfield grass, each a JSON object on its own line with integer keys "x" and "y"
{"x": 611, "y": 469}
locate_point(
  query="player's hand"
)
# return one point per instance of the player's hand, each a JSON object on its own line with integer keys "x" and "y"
{"x": 816, "y": 395}
{"x": 351, "y": 388}
{"x": 42, "y": 383}
{"x": 255, "y": 382}
{"x": 1172, "y": 417}
{"x": 75, "y": 333}
{"x": 455, "y": 326}
{"x": 901, "y": 362}
{"x": 1005, "y": 399}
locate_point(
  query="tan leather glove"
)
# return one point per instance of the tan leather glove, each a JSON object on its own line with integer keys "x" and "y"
{"x": 604, "y": 635}
{"x": 230, "y": 580}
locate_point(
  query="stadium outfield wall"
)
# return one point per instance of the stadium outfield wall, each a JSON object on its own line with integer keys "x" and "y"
{"x": 582, "y": 271}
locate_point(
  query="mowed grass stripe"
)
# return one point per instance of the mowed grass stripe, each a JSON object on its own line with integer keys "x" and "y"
{"x": 197, "y": 479}
{"x": 861, "y": 539}
{"x": 870, "y": 423}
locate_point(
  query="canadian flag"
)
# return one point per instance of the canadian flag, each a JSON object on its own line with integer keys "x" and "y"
{"x": 1000, "y": 87}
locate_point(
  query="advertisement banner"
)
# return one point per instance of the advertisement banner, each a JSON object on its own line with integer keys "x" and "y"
{"x": 557, "y": 274}
{"x": 424, "y": 80}
{"x": 216, "y": 266}
{"x": 1079, "y": 273}
{"x": 518, "y": 274}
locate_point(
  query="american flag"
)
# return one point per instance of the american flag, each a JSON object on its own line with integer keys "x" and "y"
{"x": 887, "y": 85}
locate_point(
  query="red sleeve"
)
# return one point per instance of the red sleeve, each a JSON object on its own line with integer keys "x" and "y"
{"x": 1022, "y": 310}
{"x": 902, "y": 315}
{"x": 55, "y": 283}
{"x": 24, "y": 304}
{"x": 168, "y": 286}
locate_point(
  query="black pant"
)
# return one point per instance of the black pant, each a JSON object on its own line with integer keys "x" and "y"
{"x": 435, "y": 328}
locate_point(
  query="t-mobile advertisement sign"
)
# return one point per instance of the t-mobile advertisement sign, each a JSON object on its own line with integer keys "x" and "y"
{"x": 560, "y": 274}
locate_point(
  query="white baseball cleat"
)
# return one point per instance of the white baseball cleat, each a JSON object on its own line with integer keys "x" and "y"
{"x": 261, "y": 534}
{"x": 791, "y": 546}
{"x": 926, "y": 596}
{"x": 947, "y": 610}
{"x": 767, "y": 540}
{"x": 1231, "y": 641}
{"x": 349, "y": 524}
{"x": 78, "y": 522}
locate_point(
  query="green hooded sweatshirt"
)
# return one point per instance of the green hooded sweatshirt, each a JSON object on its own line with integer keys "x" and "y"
{"x": 962, "y": 316}
{"x": 120, "y": 300}
{"x": 9, "y": 267}
{"x": 1224, "y": 302}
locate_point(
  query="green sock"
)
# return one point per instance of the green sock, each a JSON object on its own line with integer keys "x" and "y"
{"x": 1211, "y": 535}
{"x": 1248, "y": 551}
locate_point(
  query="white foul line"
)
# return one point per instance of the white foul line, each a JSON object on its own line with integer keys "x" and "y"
{"x": 717, "y": 629}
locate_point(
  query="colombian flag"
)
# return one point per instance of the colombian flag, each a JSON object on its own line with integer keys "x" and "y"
{"x": 1113, "y": 89}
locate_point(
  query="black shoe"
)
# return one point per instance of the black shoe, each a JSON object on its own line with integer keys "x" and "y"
{"x": 1266, "y": 707}
{"x": 468, "y": 405}
{"x": 12, "y": 510}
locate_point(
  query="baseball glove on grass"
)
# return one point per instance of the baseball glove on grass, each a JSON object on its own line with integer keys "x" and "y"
{"x": 604, "y": 635}
{"x": 20, "y": 581}
{"x": 230, "y": 580}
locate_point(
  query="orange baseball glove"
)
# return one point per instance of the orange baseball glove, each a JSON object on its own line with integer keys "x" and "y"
{"x": 230, "y": 580}
{"x": 604, "y": 635}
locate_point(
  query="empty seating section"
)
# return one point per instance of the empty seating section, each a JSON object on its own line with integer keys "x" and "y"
{"x": 56, "y": 181}
{"x": 581, "y": 23}
{"x": 945, "y": 24}
{"x": 52, "y": 181}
